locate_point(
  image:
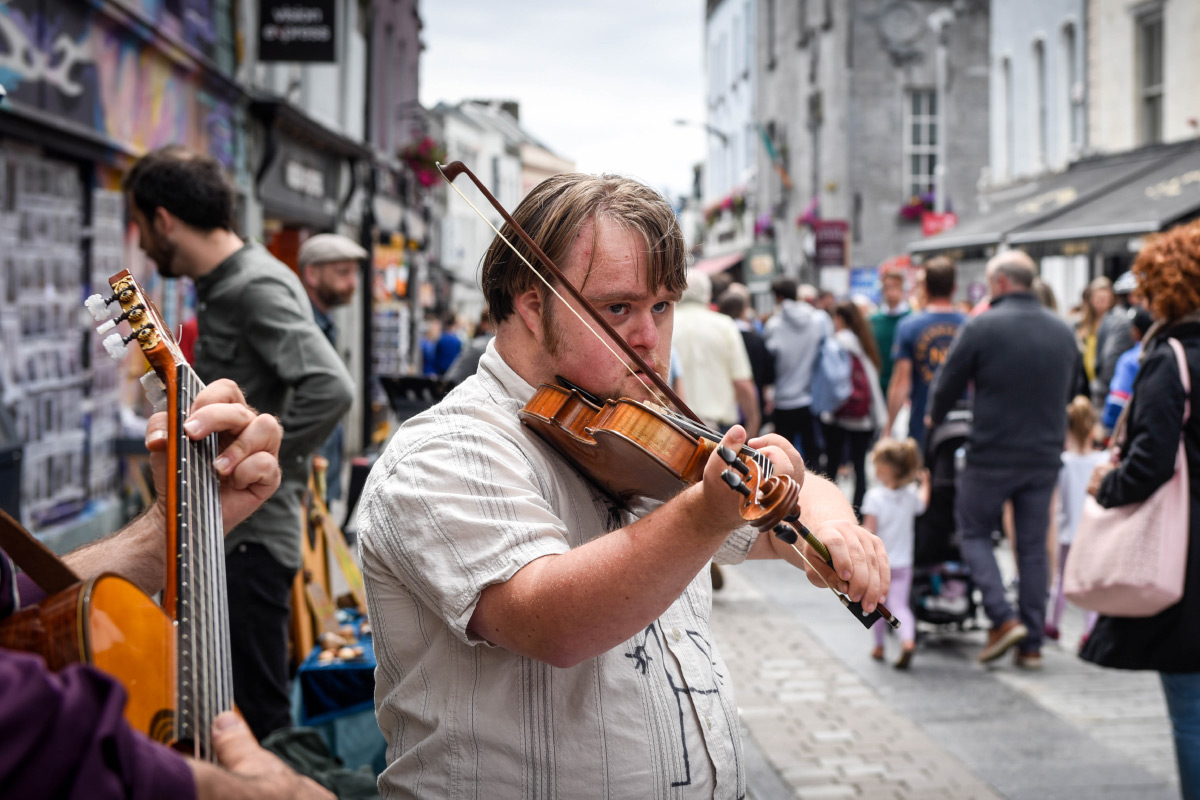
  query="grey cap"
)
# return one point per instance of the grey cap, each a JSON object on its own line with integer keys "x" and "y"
{"x": 326, "y": 247}
{"x": 1125, "y": 284}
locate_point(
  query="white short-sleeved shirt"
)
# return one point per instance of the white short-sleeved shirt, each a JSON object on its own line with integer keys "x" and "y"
{"x": 1073, "y": 479}
{"x": 462, "y": 498}
{"x": 895, "y": 511}
{"x": 712, "y": 355}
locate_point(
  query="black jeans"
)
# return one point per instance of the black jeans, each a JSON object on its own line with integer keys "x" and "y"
{"x": 860, "y": 443}
{"x": 793, "y": 422}
{"x": 260, "y": 594}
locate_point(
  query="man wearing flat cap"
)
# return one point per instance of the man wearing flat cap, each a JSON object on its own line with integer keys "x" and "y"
{"x": 329, "y": 264}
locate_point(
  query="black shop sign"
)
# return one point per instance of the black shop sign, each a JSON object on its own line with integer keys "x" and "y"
{"x": 297, "y": 30}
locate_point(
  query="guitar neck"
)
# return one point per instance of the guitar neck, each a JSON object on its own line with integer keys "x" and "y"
{"x": 196, "y": 595}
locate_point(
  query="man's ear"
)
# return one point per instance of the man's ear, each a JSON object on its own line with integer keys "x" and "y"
{"x": 528, "y": 304}
{"x": 164, "y": 221}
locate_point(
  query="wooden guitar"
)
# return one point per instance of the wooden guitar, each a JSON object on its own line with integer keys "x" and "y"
{"x": 173, "y": 660}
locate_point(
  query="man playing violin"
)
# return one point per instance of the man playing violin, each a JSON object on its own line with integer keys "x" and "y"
{"x": 64, "y": 735}
{"x": 534, "y": 636}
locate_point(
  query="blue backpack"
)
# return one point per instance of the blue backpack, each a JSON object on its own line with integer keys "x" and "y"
{"x": 832, "y": 381}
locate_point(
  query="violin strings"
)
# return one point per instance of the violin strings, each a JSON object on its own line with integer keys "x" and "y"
{"x": 649, "y": 387}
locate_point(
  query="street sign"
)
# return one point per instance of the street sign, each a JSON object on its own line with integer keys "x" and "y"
{"x": 831, "y": 237}
{"x": 297, "y": 30}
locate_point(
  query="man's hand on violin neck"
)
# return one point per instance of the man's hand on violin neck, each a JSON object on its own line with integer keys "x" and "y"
{"x": 722, "y": 504}
{"x": 785, "y": 458}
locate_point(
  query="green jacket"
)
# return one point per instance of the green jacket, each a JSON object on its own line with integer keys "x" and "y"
{"x": 256, "y": 328}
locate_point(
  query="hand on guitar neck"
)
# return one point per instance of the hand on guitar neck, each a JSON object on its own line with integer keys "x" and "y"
{"x": 250, "y": 442}
{"x": 248, "y": 462}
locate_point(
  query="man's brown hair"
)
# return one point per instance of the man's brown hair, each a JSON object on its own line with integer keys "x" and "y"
{"x": 940, "y": 276}
{"x": 556, "y": 211}
{"x": 191, "y": 185}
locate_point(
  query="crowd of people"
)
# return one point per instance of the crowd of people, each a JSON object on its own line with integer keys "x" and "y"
{"x": 533, "y": 631}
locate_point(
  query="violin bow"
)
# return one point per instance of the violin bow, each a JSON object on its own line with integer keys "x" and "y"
{"x": 786, "y": 533}
{"x": 452, "y": 171}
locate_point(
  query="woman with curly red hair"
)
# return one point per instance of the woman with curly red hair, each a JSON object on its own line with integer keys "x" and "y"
{"x": 1168, "y": 271}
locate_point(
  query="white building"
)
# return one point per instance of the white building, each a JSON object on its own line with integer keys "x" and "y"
{"x": 1144, "y": 64}
{"x": 729, "y": 174}
{"x": 486, "y": 136}
{"x": 1038, "y": 85}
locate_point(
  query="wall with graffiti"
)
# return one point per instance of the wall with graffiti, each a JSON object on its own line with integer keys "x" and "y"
{"x": 76, "y": 61}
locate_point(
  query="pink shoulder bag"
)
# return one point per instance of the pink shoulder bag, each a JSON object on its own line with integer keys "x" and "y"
{"x": 1131, "y": 560}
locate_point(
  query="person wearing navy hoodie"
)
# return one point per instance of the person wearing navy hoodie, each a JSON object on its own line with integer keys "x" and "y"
{"x": 1021, "y": 359}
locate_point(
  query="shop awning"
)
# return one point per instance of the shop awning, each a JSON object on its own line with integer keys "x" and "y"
{"x": 711, "y": 266}
{"x": 1024, "y": 205}
{"x": 1150, "y": 202}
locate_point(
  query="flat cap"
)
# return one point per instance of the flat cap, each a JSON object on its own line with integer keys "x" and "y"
{"x": 326, "y": 247}
{"x": 1125, "y": 284}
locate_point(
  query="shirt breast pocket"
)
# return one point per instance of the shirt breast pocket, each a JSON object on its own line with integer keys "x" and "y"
{"x": 217, "y": 349}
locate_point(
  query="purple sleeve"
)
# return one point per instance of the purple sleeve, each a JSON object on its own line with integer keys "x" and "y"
{"x": 64, "y": 735}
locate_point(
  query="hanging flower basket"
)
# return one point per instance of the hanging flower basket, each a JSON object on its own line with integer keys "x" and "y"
{"x": 916, "y": 206}
{"x": 422, "y": 157}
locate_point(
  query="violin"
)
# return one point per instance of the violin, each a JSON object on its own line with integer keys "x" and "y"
{"x": 631, "y": 448}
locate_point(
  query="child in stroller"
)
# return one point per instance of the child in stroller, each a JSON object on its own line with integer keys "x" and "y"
{"x": 942, "y": 590}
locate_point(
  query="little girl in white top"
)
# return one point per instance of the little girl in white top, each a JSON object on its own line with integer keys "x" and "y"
{"x": 1079, "y": 459}
{"x": 889, "y": 511}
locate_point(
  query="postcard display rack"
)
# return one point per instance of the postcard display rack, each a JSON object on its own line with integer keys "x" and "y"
{"x": 44, "y": 374}
{"x": 390, "y": 343}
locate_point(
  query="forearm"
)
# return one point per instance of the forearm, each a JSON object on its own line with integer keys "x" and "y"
{"x": 137, "y": 552}
{"x": 318, "y": 403}
{"x": 897, "y": 393}
{"x": 566, "y": 608}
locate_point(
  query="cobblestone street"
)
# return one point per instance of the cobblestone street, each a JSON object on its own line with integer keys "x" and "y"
{"x": 824, "y": 720}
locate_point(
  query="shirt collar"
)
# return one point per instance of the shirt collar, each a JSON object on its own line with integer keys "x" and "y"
{"x": 226, "y": 268}
{"x": 498, "y": 369}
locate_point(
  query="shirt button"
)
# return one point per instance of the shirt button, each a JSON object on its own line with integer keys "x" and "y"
{"x": 708, "y": 722}
{"x": 675, "y": 633}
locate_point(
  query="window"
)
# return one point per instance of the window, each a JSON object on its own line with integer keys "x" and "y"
{"x": 1039, "y": 105}
{"x": 1005, "y": 168}
{"x": 920, "y": 142}
{"x": 749, "y": 46}
{"x": 737, "y": 51}
{"x": 1072, "y": 94}
{"x": 771, "y": 33}
{"x": 1150, "y": 76}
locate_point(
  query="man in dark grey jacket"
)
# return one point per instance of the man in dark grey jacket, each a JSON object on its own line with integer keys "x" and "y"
{"x": 1021, "y": 360}
{"x": 255, "y": 327}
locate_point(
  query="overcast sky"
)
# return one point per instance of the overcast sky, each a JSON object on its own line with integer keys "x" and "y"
{"x": 599, "y": 83}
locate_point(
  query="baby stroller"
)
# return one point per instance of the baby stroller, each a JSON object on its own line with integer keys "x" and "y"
{"x": 942, "y": 593}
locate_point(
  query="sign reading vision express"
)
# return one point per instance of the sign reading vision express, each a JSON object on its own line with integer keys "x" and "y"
{"x": 297, "y": 30}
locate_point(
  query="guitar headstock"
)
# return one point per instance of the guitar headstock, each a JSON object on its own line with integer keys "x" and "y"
{"x": 146, "y": 326}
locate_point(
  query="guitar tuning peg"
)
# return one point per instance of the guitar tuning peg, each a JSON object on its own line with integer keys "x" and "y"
{"x": 107, "y": 326}
{"x": 156, "y": 392}
{"x": 115, "y": 345}
{"x": 98, "y": 306}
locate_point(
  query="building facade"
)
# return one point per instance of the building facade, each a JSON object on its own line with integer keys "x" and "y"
{"x": 1039, "y": 103}
{"x": 857, "y": 120}
{"x": 728, "y": 188}
{"x": 1142, "y": 68}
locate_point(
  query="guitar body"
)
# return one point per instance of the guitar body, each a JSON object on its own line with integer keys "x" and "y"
{"x": 111, "y": 624}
